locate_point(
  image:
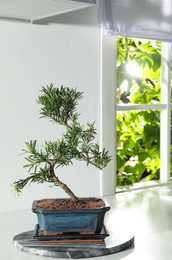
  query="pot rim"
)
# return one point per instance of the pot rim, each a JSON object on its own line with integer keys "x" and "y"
{"x": 79, "y": 210}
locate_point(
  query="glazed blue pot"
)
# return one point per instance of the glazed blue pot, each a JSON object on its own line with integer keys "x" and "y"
{"x": 71, "y": 220}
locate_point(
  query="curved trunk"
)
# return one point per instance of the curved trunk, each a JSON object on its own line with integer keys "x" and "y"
{"x": 65, "y": 188}
{"x": 58, "y": 182}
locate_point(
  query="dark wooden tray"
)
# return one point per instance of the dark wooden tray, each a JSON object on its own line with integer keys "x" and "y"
{"x": 72, "y": 237}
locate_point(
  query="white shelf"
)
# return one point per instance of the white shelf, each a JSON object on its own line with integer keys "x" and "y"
{"x": 31, "y": 10}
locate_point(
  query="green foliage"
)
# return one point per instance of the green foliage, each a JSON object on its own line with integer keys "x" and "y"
{"x": 59, "y": 105}
{"x": 138, "y": 132}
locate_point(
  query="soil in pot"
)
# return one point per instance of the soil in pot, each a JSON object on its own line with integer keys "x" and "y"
{"x": 69, "y": 204}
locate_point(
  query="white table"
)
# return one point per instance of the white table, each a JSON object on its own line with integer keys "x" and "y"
{"x": 143, "y": 212}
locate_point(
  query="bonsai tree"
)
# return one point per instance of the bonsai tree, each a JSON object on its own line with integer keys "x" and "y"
{"x": 59, "y": 105}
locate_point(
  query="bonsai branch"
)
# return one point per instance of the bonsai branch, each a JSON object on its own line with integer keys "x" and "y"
{"x": 59, "y": 105}
{"x": 53, "y": 163}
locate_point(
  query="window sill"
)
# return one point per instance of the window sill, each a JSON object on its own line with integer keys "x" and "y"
{"x": 142, "y": 185}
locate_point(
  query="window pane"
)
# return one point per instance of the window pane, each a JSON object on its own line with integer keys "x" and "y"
{"x": 138, "y": 71}
{"x": 138, "y": 146}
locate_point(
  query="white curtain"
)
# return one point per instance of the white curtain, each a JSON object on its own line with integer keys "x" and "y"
{"x": 149, "y": 19}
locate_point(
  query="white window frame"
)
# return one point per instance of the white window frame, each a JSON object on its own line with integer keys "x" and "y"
{"x": 165, "y": 122}
{"x": 108, "y": 111}
{"x": 108, "y": 108}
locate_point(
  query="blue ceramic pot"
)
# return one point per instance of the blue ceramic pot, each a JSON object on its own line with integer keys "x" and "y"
{"x": 71, "y": 220}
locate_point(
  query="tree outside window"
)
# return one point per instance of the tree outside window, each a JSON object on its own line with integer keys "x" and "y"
{"x": 138, "y": 130}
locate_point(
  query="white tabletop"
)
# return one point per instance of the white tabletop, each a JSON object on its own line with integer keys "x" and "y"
{"x": 143, "y": 212}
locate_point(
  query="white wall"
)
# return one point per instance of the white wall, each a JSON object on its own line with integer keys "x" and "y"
{"x": 63, "y": 50}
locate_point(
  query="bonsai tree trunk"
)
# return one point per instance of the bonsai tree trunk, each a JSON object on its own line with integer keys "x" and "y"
{"x": 65, "y": 188}
{"x": 56, "y": 180}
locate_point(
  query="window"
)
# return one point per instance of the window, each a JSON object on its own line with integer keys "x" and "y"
{"x": 109, "y": 106}
{"x": 138, "y": 117}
